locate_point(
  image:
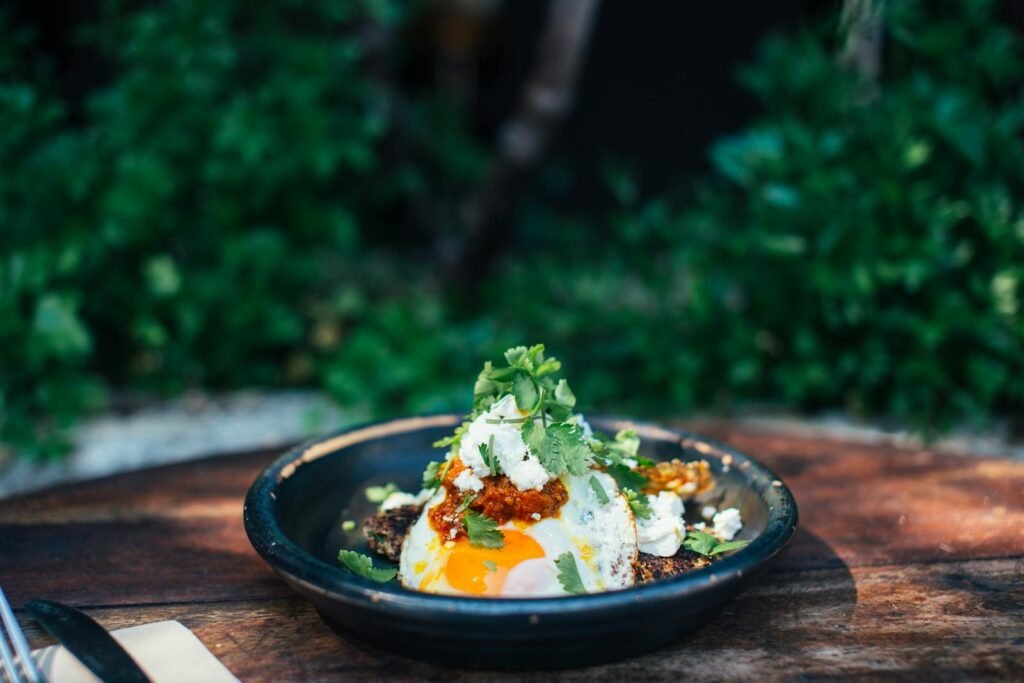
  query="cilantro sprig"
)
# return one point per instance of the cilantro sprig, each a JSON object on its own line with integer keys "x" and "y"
{"x": 482, "y": 530}
{"x": 637, "y": 503}
{"x": 709, "y": 545}
{"x": 602, "y": 495}
{"x": 569, "y": 574}
{"x": 362, "y": 565}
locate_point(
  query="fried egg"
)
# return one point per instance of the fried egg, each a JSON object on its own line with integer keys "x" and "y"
{"x": 600, "y": 536}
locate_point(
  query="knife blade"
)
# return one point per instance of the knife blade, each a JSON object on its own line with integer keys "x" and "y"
{"x": 87, "y": 641}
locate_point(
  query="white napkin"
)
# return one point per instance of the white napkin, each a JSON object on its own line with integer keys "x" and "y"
{"x": 166, "y": 651}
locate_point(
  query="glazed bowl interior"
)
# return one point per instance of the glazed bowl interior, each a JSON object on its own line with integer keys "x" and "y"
{"x": 295, "y": 516}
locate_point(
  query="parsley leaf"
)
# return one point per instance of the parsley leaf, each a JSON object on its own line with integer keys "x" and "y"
{"x": 487, "y": 453}
{"x": 637, "y": 503}
{"x": 377, "y": 494}
{"x": 626, "y": 478}
{"x": 602, "y": 495}
{"x": 362, "y": 565}
{"x": 559, "y": 447}
{"x": 729, "y": 545}
{"x": 525, "y": 391}
{"x": 432, "y": 475}
{"x": 703, "y": 543}
{"x": 490, "y": 566}
{"x": 569, "y": 574}
{"x": 455, "y": 438}
{"x": 482, "y": 530}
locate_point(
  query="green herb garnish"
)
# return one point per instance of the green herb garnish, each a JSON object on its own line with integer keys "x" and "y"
{"x": 637, "y": 503}
{"x": 432, "y": 475}
{"x": 362, "y": 565}
{"x": 703, "y": 543}
{"x": 569, "y": 574}
{"x": 482, "y": 530}
{"x": 602, "y": 495}
{"x": 559, "y": 447}
{"x": 490, "y": 566}
{"x": 348, "y": 525}
{"x": 377, "y": 494}
{"x": 626, "y": 478}
{"x": 487, "y": 453}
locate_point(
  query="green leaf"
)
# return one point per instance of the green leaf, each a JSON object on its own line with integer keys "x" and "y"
{"x": 730, "y": 545}
{"x": 602, "y": 495}
{"x": 482, "y": 530}
{"x": 378, "y": 494}
{"x": 564, "y": 395}
{"x": 627, "y": 478}
{"x": 569, "y": 574}
{"x": 637, "y": 503}
{"x": 487, "y": 453}
{"x": 432, "y": 475}
{"x": 525, "y": 391}
{"x": 703, "y": 543}
{"x": 362, "y": 565}
{"x": 560, "y": 447}
{"x": 490, "y": 566}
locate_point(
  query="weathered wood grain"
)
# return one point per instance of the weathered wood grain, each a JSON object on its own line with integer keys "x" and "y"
{"x": 908, "y": 564}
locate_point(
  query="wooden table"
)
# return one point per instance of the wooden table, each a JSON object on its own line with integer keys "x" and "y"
{"x": 907, "y": 564}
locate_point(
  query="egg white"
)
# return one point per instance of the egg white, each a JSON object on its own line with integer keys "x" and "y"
{"x": 601, "y": 537}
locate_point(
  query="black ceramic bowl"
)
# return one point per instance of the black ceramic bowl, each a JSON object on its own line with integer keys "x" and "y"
{"x": 295, "y": 509}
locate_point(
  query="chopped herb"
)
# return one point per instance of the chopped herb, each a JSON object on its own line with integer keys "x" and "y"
{"x": 466, "y": 502}
{"x": 602, "y": 496}
{"x": 482, "y": 530}
{"x": 362, "y": 565}
{"x": 637, "y": 503}
{"x": 569, "y": 574}
{"x": 559, "y": 447}
{"x": 377, "y": 494}
{"x": 627, "y": 478}
{"x": 348, "y": 525}
{"x": 455, "y": 438}
{"x": 644, "y": 462}
{"x": 487, "y": 453}
{"x": 703, "y": 543}
{"x": 490, "y": 566}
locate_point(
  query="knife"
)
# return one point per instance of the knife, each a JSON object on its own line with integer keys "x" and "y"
{"x": 87, "y": 641}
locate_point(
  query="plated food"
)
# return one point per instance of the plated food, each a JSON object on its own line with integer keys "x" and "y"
{"x": 529, "y": 501}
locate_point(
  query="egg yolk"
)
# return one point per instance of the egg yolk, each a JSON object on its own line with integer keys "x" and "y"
{"x": 482, "y": 571}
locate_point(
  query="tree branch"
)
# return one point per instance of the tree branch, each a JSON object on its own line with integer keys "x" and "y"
{"x": 547, "y": 97}
{"x": 860, "y": 27}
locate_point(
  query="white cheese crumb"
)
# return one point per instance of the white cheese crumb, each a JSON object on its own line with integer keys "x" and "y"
{"x": 401, "y": 498}
{"x": 708, "y": 511}
{"x": 727, "y": 524}
{"x": 453, "y": 532}
{"x": 468, "y": 481}
{"x": 535, "y": 516}
{"x": 630, "y": 463}
{"x": 506, "y": 439}
{"x": 699, "y": 526}
{"x": 663, "y": 532}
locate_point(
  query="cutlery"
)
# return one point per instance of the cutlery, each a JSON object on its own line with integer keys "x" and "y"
{"x": 88, "y": 641}
{"x": 17, "y": 662}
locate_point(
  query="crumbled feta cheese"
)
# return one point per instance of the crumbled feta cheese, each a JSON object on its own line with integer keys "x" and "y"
{"x": 535, "y": 516}
{"x": 515, "y": 459}
{"x": 708, "y": 511}
{"x": 468, "y": 481}
{"x": 401, "y": 498}
{"x": 453, "y": 532}
{"x": 663, "y": 532}
{"x": 699, "y": 526}
{"x": 727, "y": 524}
{"x": 630, "y": 463}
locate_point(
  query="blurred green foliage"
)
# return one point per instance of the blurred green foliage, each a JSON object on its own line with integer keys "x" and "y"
{"x": 223, "y": 213}
{"x": 866, "y": 254}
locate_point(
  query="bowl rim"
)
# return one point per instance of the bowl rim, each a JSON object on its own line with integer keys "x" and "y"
{"x": 315, "y": 575}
